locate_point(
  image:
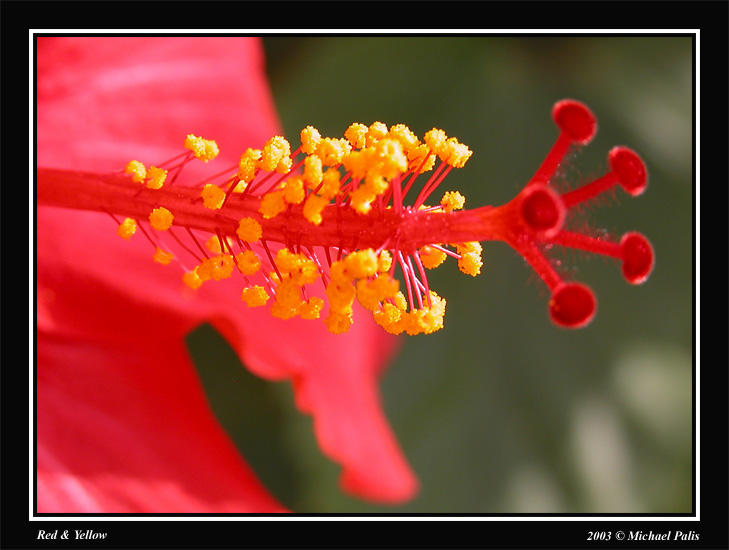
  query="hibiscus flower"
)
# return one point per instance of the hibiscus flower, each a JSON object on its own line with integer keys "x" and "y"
{"x": 123, "y": 425}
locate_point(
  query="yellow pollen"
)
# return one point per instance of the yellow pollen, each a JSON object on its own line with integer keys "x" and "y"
{"x": 420, "y": 159}
{"x": 163, "y": 257}
{"x": 216, "y": 268}
{"x": 248, "y": 262}
{"x": 294, "y": 191}
{"x": 356, "y": 134}
{"x": 161, "y": 218}
{"x": 255, "y": 296}
{"x": 384, "y": 261}
{"x": 453, "y": 200}
{"x": 313, "y": 207}
{"x": 272, "y": 204}
{"x": 313, "y": 171}
{"x": 455, "y": 154}
{"x": 156, "y": 177}
{"x": 192, "y": 279}
{"x": 249, "y": 230}
{"x": 338, "y": 323}
{"x": 431, "y": 257}
{"x": 331, "y": 151}
{"x": 203, "y": 149}
{"x": 470, "y": 262}
{"x": 310, "y": 138}
{"x": 213, "y": 196}
{"x": 276, "y": 155}
{"x": 405, "y": 136}
{"x": 138, "y": 171}
{"x": 311, "y": 309}
{"x": 248, "y": 165}
{"x": 127, "y": 228}
{"x": 376, "y": 132}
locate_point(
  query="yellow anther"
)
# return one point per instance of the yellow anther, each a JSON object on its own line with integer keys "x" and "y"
{"x": 137, "y": 170}
{"x": 248, "y": 262}
{"x": 338, "y": 323}
{"x": 341, "y": 295}
{"x": 276, "y": 155}
{"x": 161, "y": 218}
{"x": 470, "y": 262}
{"x": 255, "y": 296}
{"x": 162, "y": 257}
{"x": 370, "y": 293}
{"x": 203, "y": 149}
{"x": 213, "y": 196}
{"x": 384, "y": 261}
{"x": 248, "y": 165}
{"x": 311, "y": 309}
{"x": 357, "y": 162}
{"x": 310, "y": 138}
{"x": 156, "y": 177}
{"x": 375, "y": 133}
{"x": 216, "y": 268}
{"x": 192, "y": 279}
{"x": 421, "y": 159}
{"x": 313, "y": 207}
{"x": 300, "y": 269}
{"x": 294, "y": 192}
{"x": 390, "y": 318}
{"x": 331, "y": 151}
{"x": 361, "y": 199}
{"x": 435, "y": 139}
{"x": 431, "y": 257}
{"x": 249, "y": 230}
{"x": 331, "y": 183}
{"x": 356, "y": 134}
{"x": 127, "y": 228}
{"x": 288, "y": 300}
{"x": 313, "y": 171}
{"x": 427, "y": 319}
{"x": 405, "y": 136}
{"x": 361, "y": 264}
{"x": 453, "y": 200}
{"x": 272, "y": 204}
{"x": 391, "y": 160}
{"x": 454, "y": 153}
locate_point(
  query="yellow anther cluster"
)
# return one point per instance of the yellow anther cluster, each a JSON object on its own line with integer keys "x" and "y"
{"x": 216, "y": 268}
{"x": 213, "y": 196}
{"x": 249, "y": 230}
{"x": 162, "y": 256}
{"x": 248, "y": 165}
{"x": 272, "y": 204}
{"x": 255, "y": 296}
{"x": 449, "y": 150}
{"x": 276, "y": 156}
{"x": 452, "y": 200}
{"x": 156, "y": 177}
{"x": 294, "y": 271}
{"x": 248, "y": 262}
{"x": 203, "y": 149}
{"x": 310, "y": 138}
{"x": 215, "y": 246}
{"x": 470, "y": 262}
{"x": 137, "y": 170}
{"x": 192, "y": 279}
{"x": 360, "y": 274}
{"x": 127, "y": 228}
{"x": 431, "y": 257}
{"x": 161, "y": 218}
{"x": 394, "y": 318}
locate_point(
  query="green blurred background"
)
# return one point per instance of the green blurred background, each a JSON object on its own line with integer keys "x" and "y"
{"x": 501, "y": 412}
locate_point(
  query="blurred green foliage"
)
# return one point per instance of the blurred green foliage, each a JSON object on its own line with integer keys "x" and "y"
{"x": 501, "y": 412}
